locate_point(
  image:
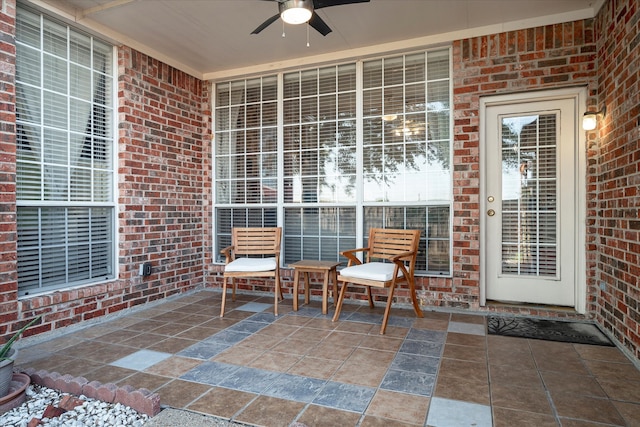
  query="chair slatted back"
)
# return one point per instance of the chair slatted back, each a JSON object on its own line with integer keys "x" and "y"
{"x": 256, "y": 240}
{"x": 387, "y": 243}
{"x": 397, "y": 246}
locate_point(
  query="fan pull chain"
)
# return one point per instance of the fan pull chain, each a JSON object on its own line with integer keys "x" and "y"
{"x": 282, "y": 29}
{"x": 307, "y": 35}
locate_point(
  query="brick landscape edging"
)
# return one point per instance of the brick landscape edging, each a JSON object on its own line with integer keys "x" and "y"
{"x": 142, "y": 400}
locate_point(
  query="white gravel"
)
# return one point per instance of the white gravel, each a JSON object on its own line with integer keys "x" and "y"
{"x": 92, "y": 413}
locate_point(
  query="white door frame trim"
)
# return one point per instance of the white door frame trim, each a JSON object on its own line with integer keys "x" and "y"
{"x": 579, "y": 97}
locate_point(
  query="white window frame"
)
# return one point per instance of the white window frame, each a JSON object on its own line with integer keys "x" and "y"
{"x": 89, "y": 200}
{"x": 359, "y": 204}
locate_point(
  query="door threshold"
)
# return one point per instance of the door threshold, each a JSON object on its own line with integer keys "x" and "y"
{"x": 532, "y": 309}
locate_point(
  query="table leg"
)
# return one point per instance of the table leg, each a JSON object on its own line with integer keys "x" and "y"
{"x": 307, "y": 287}
{"x": 334, "y": 277}
{"x": 296, "y": 280}
{"x": 325, "y": 290}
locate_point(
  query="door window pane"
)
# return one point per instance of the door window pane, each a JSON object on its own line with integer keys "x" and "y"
{"x": 529, "y": 188}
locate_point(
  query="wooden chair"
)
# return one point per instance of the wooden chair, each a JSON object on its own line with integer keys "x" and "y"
{"x": 246, "y": 258}
{"x": 390, "y": 259}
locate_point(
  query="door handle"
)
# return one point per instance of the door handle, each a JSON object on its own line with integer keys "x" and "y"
{"x": 491, "y": 212}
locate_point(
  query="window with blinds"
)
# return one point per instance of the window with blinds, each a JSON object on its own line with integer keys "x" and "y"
{"x": 294, "y": 149}
{"x": 65, "y": 168}
{"x": 530, "y": 182}
{"x": 406, "y": 150}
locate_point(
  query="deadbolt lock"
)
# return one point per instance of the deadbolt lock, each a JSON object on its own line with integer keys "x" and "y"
{"x": 490, "y": 199}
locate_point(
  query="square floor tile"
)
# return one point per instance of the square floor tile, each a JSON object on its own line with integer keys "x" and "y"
{"x": 629, "y": 411}
{"x": 255, "y": 307}
{"x": 178, "y": 394}
{"x": 144, "y": 380}
{"x": 173, "y": 366}
{"x": 316, "y": 367}
{"x": 141, "y": 360}
{"x": 405, "y": 322}
{"x": 469, "y": 389}
{"x": 212, "y": 373}
{"x": 315, "y": 415}
{"x": 251, "y": 380}
{"x": 464, "y": 352}
{"x": 408, "y": 382}
{"x": 265, "y": 317}
{"x": 422, "y": 348}
{"x": 415, "y": 363}
{"x": 204, "y": 350}
{"x": 222, "y": 402}
{"x": 426, "y": 335}
{"x": 111, "y": 374}
{"x": 270, "y": 411}
{"x": 274, "y": 361}
{"x": 244, "y": 326}
{"x": 229, "y": 336}
{"x": 467, "y": 328}
{"x": 345, "y": 396}
{"x": 587, "y": 408}
{"x": 453, "y": 413}
{"x": 399, "y": 406}
{"x": 364, "y": 318}
{"x": 307, "y": 311}
{"x": 503, "y": 417}
{"x": 295, "y": 387}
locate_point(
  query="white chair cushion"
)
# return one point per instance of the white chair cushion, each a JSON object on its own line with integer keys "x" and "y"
{"x": 251, "y": 264}
{"x": 380, "y": 271}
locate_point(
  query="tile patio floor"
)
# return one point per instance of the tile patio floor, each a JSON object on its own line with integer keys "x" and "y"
{"x": 254, "y": 368}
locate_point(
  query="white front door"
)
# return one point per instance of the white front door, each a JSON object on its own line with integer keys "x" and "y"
{"x": 529, "y": 201}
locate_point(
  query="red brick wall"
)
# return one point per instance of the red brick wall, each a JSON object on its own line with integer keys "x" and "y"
{"x": 617, "y": 223}
{"x": 547, "y": 57}
{"x": 162, "y": 137}
{"x": 8, "y": 237}
{"x": 164, "y": 123}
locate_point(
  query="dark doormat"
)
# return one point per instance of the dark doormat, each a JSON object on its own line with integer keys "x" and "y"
{"x": 550, "y": 330}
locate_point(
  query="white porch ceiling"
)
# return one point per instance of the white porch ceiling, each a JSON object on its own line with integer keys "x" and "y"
{"x": 211, "y": 38}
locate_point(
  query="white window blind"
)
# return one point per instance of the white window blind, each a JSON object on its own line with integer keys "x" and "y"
{"x": 387, "y": 166}
{"x": 530, "y": 179}
{"x": 65, "y": 168}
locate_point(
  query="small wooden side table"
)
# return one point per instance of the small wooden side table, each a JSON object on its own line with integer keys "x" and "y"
{"x": 327, "y": 268}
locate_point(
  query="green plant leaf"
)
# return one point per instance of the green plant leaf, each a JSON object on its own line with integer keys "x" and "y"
{"x": 7, "y": 346}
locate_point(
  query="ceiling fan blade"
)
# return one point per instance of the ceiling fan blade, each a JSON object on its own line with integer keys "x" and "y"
{"x": 266, "y": 23}
{"x": 319, "y": 4}
{"x": 319, "y": 25}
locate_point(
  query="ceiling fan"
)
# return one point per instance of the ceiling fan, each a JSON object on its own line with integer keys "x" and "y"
{"x": 301, "y": 11}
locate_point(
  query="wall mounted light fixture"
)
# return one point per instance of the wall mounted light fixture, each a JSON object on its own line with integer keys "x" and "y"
{"x": 590, "y": 118}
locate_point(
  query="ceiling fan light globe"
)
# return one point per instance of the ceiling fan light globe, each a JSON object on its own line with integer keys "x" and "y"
{"x": 296, "y": 12}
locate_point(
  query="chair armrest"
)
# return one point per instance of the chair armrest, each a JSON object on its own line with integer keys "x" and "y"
{"x": 397, "y": 260}
{"x": 228, "y": 254}
{"x": 402, "y": 255}
{"x": 350, "y": 255}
